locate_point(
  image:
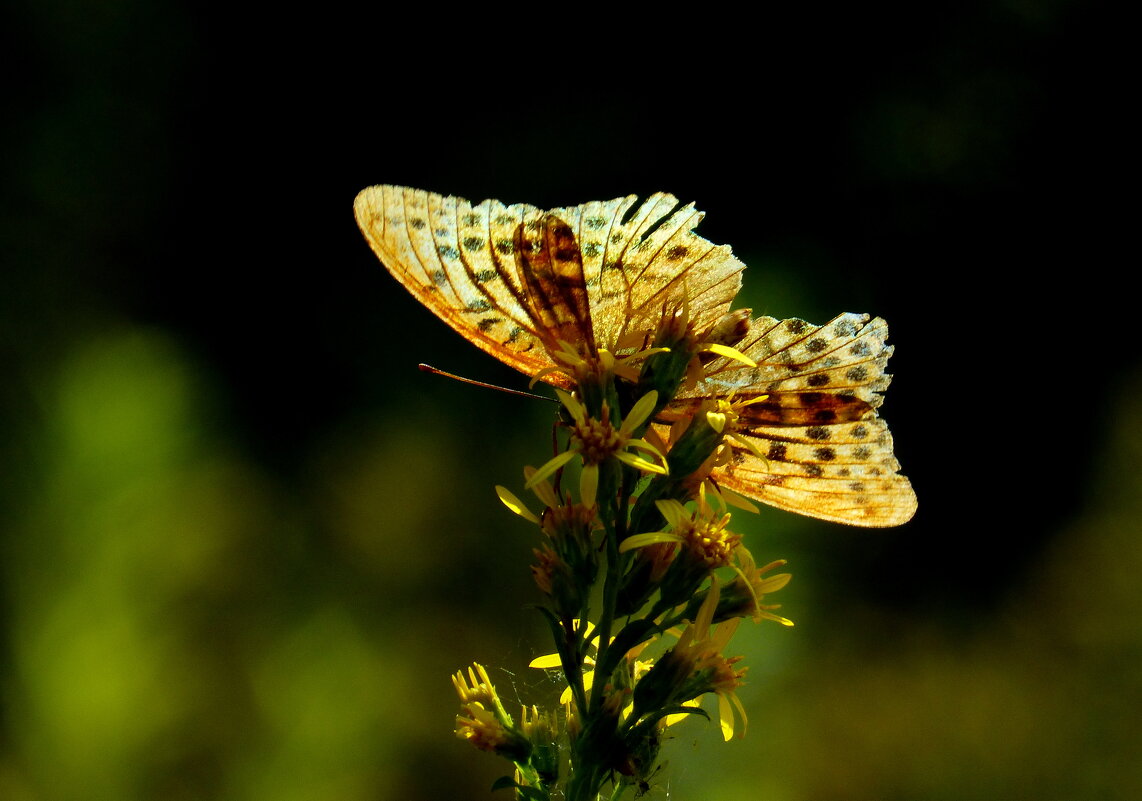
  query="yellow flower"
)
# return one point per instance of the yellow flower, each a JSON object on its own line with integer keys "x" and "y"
{"x": 481, "y": 728}
{"x": 596, "y": 441}
{"x": 700, "y": 649}
{"x": 483, "y": 721}
{"x": 593, "y": 368}
{"x": 567, "y": 562}
{"x": 702, "y": 533}
{"x": 724, "y": 419}
{"x": 751, "y": 586}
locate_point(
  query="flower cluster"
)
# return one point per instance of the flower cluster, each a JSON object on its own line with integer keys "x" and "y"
{"x": 643, "y": 581}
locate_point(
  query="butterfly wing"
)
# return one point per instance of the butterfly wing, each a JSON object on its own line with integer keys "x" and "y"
{"x": 550, "y": 266}
{"x": 458, "y": 260}
{"x": 643, "y": 262}
{"x": 827, "y": 452}
{"x": 514, "y": 279}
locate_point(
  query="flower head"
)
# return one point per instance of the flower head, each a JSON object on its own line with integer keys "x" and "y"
{"x": 702, "y": 534}
{"x": 597, "y": 440}
{"x": 696, "y": 665}
{"x": 566, "y": 564}
{"x": 743, "y": 598}
{"x": 483, "y": 721}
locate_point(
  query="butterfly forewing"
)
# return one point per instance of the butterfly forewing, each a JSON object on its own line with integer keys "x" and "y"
{"x": 653, "y": 264}
{"x": 459, "y": 261}
{"x": 550, "y": 268}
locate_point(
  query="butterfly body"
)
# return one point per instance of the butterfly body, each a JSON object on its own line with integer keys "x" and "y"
{"x": 516, "y": 281}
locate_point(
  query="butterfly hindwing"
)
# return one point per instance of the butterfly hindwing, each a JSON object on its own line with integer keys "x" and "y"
{"x": 826, "y": 451}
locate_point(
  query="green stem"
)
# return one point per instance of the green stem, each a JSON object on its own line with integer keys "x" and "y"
{"x": 616, "y": 529}
{"x": 584, "y": 785}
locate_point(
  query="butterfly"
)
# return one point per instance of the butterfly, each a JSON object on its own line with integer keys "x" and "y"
{"x": 515, "y": 280}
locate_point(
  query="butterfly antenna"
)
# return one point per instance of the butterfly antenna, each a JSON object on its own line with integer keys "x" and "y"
{"x": 428, "y": 368}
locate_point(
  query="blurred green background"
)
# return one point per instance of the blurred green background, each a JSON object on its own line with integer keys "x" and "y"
{"x": 244, "y": 542}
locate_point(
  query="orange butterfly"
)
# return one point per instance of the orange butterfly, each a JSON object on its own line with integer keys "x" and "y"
{"x": 515, "y": 280}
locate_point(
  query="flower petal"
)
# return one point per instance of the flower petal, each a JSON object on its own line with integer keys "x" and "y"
{"x": 642, "y": 540}
{"x": 574, "y": 407}
{"x": 639, "y": 412}
{"x": 588, "y": 485}
{"x": 546, "y": 662}
{"x": 542, "y": 489}
{"x": 642, "y": 464}
{"x": 674, "y": 512}
{"x": 552, "y": 465}
{"x": 729, "y": 353}
{"x": 515, "y": 504}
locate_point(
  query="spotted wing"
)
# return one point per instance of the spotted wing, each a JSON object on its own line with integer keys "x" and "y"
{"x": 458, "y": 259}
{"x": 513, "y": 279}
{"x": 550, "y": 268}
{"x": 827, "y": 452}
{"x": 643, "y": 262}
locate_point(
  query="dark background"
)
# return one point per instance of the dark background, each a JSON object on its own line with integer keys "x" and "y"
{"x": 245, "y": 541}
